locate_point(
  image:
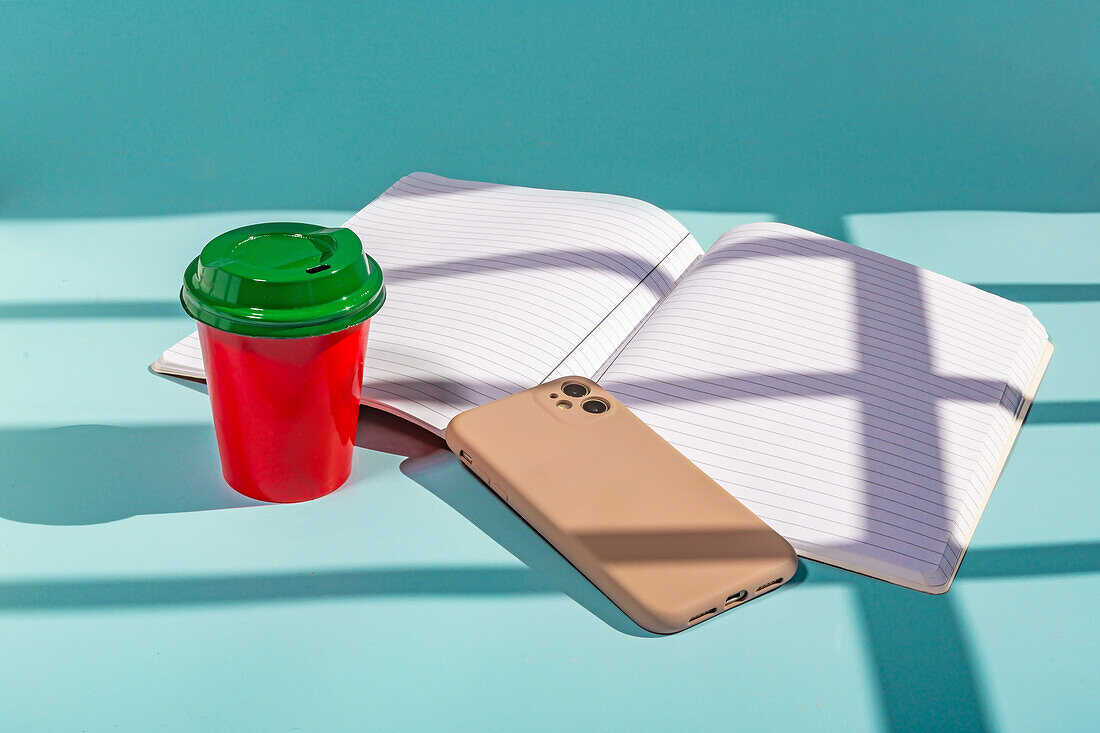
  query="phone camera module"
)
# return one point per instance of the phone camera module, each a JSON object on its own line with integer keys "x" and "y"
{"x": 574, "y": 390}
{"x": 595, "y": 406}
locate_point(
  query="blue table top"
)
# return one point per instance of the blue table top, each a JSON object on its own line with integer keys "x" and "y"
{"x": 137, "y": 591}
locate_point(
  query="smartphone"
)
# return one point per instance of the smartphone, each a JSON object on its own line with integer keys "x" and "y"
{"x": 655, "y": 534}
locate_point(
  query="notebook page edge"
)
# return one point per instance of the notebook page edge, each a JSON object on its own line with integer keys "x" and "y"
{"x": 1010, "y": 444}
{"x": 166, "y": 366}
{"x": 404, "y": 415}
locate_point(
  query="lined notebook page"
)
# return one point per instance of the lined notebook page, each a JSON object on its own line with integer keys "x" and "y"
{"x": 859, "y": 405}
{"x": 615, "y": 329}
{"x": 491, "y": 288}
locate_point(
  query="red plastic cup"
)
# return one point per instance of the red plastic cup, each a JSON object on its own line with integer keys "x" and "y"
{"x": 285, "y": 409}
{"x": 283, "y": 313}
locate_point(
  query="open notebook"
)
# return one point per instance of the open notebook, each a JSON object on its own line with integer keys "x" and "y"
{"x": 861, "y": 406}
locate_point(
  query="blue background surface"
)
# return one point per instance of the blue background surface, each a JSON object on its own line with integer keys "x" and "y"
{"x": 138, "y": 592}
{"x": 808, "y": 110}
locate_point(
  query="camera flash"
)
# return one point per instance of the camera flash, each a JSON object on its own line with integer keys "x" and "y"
{"x": 563, "y": 405}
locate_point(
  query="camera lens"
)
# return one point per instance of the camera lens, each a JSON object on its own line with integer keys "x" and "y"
{"x": 595, "y": 406}
{"x": 575, "y": 390}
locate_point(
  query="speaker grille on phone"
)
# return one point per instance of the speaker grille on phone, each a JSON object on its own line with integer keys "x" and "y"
{"x": 702, "y": 615}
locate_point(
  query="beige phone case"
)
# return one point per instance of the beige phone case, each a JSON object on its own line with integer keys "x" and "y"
{"x": 659, "y": 537}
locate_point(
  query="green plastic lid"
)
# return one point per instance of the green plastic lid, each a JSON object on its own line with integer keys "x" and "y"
{"x": 283, "y": 281}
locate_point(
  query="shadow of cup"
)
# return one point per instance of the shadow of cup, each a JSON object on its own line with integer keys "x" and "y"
{"x": 90, "y": 474}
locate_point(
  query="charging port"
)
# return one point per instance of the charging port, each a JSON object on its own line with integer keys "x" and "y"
{"x": 465, "y": 456}
{"x": 704, "y": 614}
{"x": 738, "y": 596}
